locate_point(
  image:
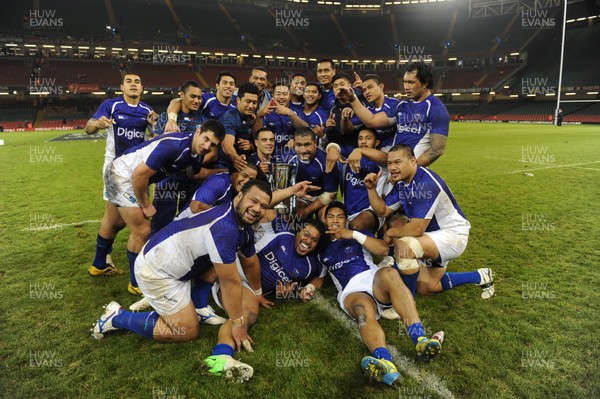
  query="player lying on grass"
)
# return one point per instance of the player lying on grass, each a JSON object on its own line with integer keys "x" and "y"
{"x": 173, "y": 256}
{"x": 219, "y": 189}
{"x": 436, "y": 231}
{"x": 365, "y": 290}
{"x": 128, "y": 177}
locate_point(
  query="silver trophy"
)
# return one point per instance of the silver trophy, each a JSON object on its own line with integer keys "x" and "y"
{"x": 284, "y": 176}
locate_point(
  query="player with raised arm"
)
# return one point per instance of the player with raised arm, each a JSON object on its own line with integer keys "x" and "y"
{"x": 178, "y": 252}
{"x": 129, "y": 176}
{"x": 281, "y": 120}
{"x": 436, "y": 230}
{"x": 310, "y": 163}
{"x": 377, "y": 101}
{"x": 421, "y": 122}
{"x": 364, "y": 290}
{"x": 125, "y": 119}
{"x": 342, "y": 124}
{"x": 354, "y": 193}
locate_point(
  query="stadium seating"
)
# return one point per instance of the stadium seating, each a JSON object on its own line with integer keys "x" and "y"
{"x": 161, "y": 75}
{"x": 102, "y": 73}
{"x": 148, "y": 20}
{"x": 16, "y": 117}
{"x": 15, "y": 72}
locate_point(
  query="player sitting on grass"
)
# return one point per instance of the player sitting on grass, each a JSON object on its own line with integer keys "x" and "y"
{"x": 182, "y": 249}
{"x": 436, "y": 231}
{"x": 364, "y": 290}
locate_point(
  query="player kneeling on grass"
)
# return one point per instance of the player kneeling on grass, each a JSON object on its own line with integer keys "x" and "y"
{"x": 169, "y": 260}
{"x": 434, "y": 231}
{"x": 364, "y": 290}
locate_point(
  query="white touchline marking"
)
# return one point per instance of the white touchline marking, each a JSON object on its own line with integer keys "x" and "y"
{"x": 506, "y": 159}
{"x": 426, "y": 379}
{"x": 554, "y": 166}
{"x": 59, "y": 225}
{"x": 579, "y": 167}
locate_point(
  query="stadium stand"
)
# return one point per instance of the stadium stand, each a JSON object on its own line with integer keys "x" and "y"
{"x": 480, "y": 44}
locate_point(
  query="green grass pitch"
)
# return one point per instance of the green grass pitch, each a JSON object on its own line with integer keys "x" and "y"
{"x": 531, "y": 193}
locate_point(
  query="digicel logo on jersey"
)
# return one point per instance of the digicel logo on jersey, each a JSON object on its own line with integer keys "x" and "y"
{"x": 130, "y": 134}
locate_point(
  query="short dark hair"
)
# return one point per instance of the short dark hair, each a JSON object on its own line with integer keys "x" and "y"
{"x": 258, "y": 68}
{"x": 424, "y": 73}
{"x": 214, "y": 126}
{"x": 129, "y": 73}
{"x": 336, "y": 204}
{"x": 340, "y": 76}
{"x": 374, "y": 77}
{"x": 297, "y": 74}
{"x": 403, "y": 147}
{"x": 318, "y": 86}
{"x": 225, "y": 73}
{"x": 261, "y": 184}
{"x": 366, "y": 129}
{"x": 259, "y": 131}
{"x": 317, "y": 224}
{"x": 186, "y": 86}
{"x": 250, "y": 165}
{"x": 327, "y": 60}
{"x": 305, "y": 131}
{"x": 247, "y": 87}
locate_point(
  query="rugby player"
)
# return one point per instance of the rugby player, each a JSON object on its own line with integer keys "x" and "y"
{"x": 435, "y": 230}
{"x": 126, "y": 120}
{"x": 364, "y": 290}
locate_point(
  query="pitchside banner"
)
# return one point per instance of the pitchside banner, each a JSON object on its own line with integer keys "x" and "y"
{"x": 83, "y": 88}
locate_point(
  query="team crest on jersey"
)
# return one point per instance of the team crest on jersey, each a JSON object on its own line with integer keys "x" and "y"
{"x": 296, "y": 272}
{"x": 283, "y": 248}
{"x": 348, "y": 249}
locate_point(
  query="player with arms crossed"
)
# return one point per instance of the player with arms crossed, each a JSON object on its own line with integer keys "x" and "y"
{"x": 174, "y": 255}
{"x": 125, "y": 119}
{"x": 364, "y": 290}
{"x": 436, "y": 232}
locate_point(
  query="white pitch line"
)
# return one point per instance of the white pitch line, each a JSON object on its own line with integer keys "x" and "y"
{"x": 579, "y": 167}
{"x": 54, "y": 226}
{"x": 427, "y": 380}
{"x": 506, "y": 159}
{"x": 554, "y": 167}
